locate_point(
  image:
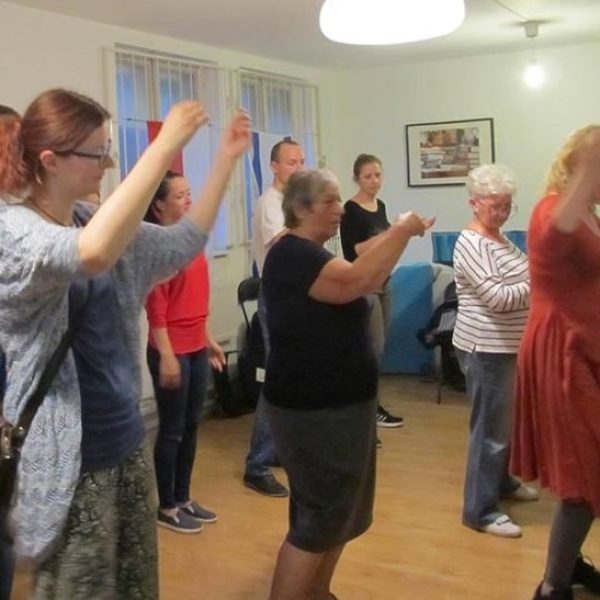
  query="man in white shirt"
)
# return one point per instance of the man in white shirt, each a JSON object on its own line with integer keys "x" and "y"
{"x": 287, "y": 157}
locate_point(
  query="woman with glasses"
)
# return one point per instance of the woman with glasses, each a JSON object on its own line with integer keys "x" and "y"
{"x": 83, "y": 506}
{"x": 556, "y": 436}
{"x": 492, "y": 285}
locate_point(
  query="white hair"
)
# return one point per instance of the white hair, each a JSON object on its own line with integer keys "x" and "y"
{"x": 491, "y": 179}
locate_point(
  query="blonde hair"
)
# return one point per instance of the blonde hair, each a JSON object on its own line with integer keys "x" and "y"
{"x": 564, "y": 162}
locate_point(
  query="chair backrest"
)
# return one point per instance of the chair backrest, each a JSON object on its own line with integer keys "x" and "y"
{"x": 247, "y": 292}
{"x": 248, "y": 289}
{"x": 450, "y": 293}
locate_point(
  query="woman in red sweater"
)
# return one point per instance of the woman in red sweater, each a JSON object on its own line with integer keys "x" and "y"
{"x": 180, "y": 347}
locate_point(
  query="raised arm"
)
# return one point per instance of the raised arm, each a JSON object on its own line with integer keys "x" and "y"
{"x": 114, "y": 224}
{"x": 583, "y": 188}
{"x": 340, "y": 281}
{"x": 362, "y": 247}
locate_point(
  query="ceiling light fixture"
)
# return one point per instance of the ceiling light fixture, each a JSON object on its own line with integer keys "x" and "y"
{"x": 383, "y": 22}
{"x": 534, "y": 74}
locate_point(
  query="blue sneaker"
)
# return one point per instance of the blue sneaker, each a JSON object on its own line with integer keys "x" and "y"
{"x": 197, "y": 512}
{"x": 180, "y": 522}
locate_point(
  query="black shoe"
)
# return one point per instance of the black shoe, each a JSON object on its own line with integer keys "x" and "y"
{"x": 554, "y": 594}
{"x": 586, "y": 575}
{"x": 384, "y": 419}
{"x": 266, "y": 484}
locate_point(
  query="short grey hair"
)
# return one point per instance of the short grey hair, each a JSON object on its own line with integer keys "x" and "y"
{"x": 491, "y": 179}
{"x": 302, "y": 190}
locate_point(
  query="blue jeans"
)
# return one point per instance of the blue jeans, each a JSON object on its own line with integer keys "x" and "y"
{"x": 490, "y": 382}
{"x": 262, "y": 450}
{"x": 179, "y": 413}
{"x": 7, "y": 561}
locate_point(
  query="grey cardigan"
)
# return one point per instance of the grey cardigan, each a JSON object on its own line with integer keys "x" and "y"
{"x": 38, "y": 261}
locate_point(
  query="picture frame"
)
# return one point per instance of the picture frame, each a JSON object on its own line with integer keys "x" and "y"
{"x": 443, "y": 153}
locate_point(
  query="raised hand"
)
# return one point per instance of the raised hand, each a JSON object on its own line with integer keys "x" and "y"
{"x": 237, "y": 135}
{"x": 413, "y": 223}
{"x": 428, "y": 222}
{"x": 182, "y": 122}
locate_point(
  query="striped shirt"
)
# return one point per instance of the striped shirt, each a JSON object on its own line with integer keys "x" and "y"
{"x": 492, "y": 285}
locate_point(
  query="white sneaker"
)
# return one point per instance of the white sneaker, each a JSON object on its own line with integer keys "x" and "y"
{"x": 524, "y": 493}
{"x": 503, "y": 527}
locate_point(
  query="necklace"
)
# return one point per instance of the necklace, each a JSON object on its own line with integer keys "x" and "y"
{"x": 38, "y": 208}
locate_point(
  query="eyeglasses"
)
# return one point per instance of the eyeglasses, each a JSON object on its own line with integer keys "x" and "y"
{"x": 508, "y": 210}
{"x": 104, "y": 157}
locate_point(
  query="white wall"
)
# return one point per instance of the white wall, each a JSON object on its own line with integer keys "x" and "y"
{"x": 362, "y": 110}
{"x": 40, "y": 50}
{"x": 374, "y": 105}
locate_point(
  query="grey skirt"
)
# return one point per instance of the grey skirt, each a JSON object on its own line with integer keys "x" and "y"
{"x": 329, "y": 456}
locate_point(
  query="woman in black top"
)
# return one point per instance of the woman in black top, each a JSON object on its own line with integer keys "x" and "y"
{"x": 364, "y": 218}
{"x": 321, "y": 379}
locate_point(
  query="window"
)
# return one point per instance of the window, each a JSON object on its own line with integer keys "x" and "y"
{"x": 280, "y": 107}
{"x": 148, "y": 85}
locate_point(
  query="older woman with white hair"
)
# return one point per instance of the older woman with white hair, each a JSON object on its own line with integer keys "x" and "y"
{"x": 492, "y": 284}
{"x": 321, "y": 381}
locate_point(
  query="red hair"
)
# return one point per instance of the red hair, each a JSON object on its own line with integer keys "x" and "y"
{"x": 10, "y": 148}
{"x": 56, "y": 120}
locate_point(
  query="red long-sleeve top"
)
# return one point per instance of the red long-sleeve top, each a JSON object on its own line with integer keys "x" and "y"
{"x": 181, "y": 306}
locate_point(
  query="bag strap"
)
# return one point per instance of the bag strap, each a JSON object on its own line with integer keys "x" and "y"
{"x": 48, "y": 374}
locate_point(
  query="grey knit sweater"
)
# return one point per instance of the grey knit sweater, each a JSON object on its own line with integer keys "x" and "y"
{"x": 38, "y": 261}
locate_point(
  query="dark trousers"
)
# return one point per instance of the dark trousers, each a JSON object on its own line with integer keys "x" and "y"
{"x": 179, "y": 413}
{"x": 7, "y": 561}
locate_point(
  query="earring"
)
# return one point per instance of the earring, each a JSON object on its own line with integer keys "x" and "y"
{"x": 37, "y": 177}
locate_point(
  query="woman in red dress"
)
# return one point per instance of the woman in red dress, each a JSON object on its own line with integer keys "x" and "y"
{"x": 557, "y": 426}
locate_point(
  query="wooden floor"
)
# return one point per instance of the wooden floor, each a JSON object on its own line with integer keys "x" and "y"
{"x": 417, "y": 548}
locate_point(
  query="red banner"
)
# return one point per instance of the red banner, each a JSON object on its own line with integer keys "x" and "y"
{"x": 153, "y": 129}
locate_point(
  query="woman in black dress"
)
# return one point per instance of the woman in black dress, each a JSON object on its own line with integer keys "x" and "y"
{"x": 321, "y": 380}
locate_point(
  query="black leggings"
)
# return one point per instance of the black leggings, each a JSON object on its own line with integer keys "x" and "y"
{"x": 570, "y": 527}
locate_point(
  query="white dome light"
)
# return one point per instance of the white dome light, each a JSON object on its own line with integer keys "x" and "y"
{"x": 534, "y": 75}
{"x": 382, "y": 22}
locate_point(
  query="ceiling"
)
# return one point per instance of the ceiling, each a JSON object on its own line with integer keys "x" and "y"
{"x": 288, "y": 29}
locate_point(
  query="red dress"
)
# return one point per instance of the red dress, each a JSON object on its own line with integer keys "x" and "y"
{"x": 556, "y": 434}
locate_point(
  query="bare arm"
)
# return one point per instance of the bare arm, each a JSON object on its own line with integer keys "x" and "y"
{"x": 340, "y": 281}
{"x": 364, "y": 246}
{"x": 574, "y": 206}
{"x": 114, "y": 224}
{"x": 234, "y": 142}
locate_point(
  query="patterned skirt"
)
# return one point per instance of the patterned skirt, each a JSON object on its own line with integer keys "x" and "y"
{"x": 108, "y": 548}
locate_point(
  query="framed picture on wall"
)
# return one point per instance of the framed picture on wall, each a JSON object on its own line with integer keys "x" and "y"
{"x": 443, "y": 153}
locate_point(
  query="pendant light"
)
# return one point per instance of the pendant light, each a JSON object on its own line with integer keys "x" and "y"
{"x": 383, "y": 22}
{"x": 534, "y": 74}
